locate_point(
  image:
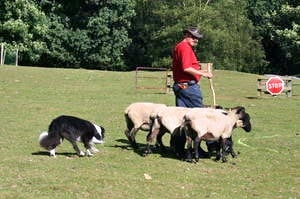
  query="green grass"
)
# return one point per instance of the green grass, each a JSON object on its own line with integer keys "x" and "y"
{"x": 268, "y": 165}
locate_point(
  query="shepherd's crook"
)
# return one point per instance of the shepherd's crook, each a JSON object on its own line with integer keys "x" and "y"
{"x": 209, "y": 68}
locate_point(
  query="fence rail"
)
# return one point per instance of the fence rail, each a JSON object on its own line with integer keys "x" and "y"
{"x": 161, "y": 81}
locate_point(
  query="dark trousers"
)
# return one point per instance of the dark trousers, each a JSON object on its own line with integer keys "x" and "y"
{"x": 190, "y": 96}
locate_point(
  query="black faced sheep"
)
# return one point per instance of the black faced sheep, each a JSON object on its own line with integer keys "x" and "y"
{"x": 137, "y": 117}
{"x": 211, "y": 124}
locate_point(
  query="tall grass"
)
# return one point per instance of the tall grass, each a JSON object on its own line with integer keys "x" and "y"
{"x": 267, "y": 166}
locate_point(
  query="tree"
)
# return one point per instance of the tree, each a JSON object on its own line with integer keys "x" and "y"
{"x": 230, "y": 41}
{"x": 23, "y": 26}
{"x": 278, "y": 22}
{"x": 287, "y": 34}
{"x": 91, "y": 34}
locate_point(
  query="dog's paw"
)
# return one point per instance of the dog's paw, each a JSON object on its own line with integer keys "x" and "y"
{"x": 54, "y": 156}
{"x": 81, "y": 154}
{"x": 52, "y": 153}
{"x": 94, "y": 150}
{"x": 88, "y": 153}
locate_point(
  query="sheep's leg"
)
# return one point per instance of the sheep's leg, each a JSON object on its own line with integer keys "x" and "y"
{"x": 218, "y": 153}
{"x": 229, "y": 147}
{"x": 196, "y": 148}
{"x": 127, "y": 133}
{"x": 232, "y": 152}
{"x": 150, "y": 137}
{"x": 159, "y": 139}
{"x": 223, "y": 150}
{"x": 218, "y": 149}
{"x": 159, "y": 142}
{"x": 131, "y": 136}
{"x": 177, "y": 144}
{"x": 189, "y": 157}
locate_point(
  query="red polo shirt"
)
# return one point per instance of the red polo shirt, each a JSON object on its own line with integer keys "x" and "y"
{"x": 184, "y": 57}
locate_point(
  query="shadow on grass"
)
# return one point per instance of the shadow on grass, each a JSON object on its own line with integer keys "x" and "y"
{"x": 252, "y": 97}
{"x": 46, "y": 153}
{"x": 140, "y": 150}
{"x": 266, "y": 95}
{"x": 167, "y": 152}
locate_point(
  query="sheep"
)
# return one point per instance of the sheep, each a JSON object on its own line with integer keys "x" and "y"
{"x": 137, "y": 117}
{"x": 210, "y": 124}
{"x": 167, "y": 119}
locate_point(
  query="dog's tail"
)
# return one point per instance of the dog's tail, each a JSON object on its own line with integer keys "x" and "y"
{"x": 48, "y": 142}
{"x": 99, "y": 134}
{"x": 42, "y": 136}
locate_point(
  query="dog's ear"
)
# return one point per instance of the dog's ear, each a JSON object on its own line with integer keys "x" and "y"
{"x": 102, "y": 131}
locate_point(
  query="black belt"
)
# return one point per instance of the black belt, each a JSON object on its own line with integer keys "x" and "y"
{"x": 188, "y": 83}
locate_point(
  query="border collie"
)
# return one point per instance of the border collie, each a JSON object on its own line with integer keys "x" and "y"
{"x": 74, "y": 130}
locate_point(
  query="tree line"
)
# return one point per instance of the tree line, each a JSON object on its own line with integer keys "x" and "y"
{"x": 256, "y": 36}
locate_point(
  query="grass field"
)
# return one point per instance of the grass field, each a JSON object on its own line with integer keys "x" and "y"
{"x": 268, "y": 164}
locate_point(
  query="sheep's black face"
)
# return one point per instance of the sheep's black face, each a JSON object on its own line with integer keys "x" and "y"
{"x": 246, "y": 122}
{"x": 244, "y": 117}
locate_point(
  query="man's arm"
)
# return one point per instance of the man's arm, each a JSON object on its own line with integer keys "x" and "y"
{"x": 203, "y": 73}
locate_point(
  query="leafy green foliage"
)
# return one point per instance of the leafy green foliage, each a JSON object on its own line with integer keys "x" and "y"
{"x": 287, "y": 32}
{"x": 73, "y": 34}
{"x": 91, "y": 34}
{"x": 230, "y": 41}
{"x": 23, "y": 27}
{"x": 278, "y": 23}
{"x": 257, "y": 36}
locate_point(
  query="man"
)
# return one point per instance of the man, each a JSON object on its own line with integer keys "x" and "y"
{"x": 186, "y": 74}
{"x": 186, "y": 70}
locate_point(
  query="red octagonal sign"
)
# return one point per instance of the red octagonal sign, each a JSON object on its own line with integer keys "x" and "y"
{"x": 275, "y": 85}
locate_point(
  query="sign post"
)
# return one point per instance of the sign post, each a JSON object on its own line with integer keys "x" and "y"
{"x": 275, "y": 85}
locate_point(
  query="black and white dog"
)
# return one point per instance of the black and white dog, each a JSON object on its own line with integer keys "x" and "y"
{"x": 74, "y": 130}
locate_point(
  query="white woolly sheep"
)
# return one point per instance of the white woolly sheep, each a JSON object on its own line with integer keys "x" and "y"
{"x": 137, "y": 117}
{"x": 169, "y": 119}
{"x": 211, "y": 124}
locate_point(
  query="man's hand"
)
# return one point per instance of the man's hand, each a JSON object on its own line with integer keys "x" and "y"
{"x": 209, "y": 75}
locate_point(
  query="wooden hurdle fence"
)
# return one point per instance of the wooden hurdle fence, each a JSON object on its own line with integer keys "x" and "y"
{"x": 160, "y": 81}
{"x": 163, "y": 82}
{"x": 261, "y": 86}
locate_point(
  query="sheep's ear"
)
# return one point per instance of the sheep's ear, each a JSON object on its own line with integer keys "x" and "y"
{"x": 240, "y": 109}
{"x": 240, "y": 123}
{"x": 218, "y": 107}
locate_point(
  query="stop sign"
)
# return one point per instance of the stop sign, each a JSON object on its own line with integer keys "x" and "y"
{"x": 275, "y": 85}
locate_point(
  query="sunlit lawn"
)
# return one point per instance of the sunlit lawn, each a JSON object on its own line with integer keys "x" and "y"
{"x": 267, "y": 166}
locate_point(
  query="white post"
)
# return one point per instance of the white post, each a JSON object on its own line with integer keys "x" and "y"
{"x": 2, "y": 51}
{"x": 4, "y": 54}
{"x": 17, "y": 56}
